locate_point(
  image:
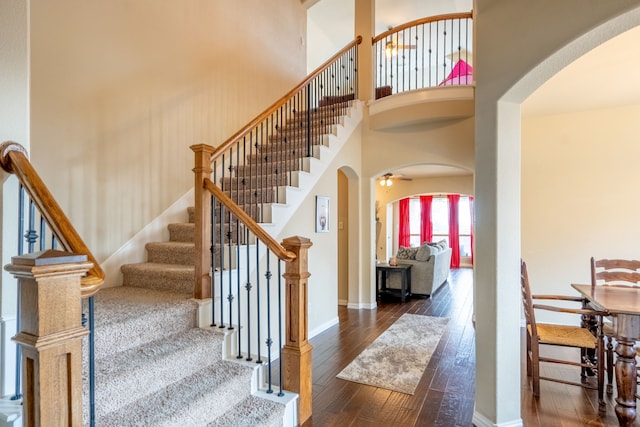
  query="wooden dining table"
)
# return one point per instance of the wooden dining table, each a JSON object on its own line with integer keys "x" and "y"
{"x": 623, "y": 303}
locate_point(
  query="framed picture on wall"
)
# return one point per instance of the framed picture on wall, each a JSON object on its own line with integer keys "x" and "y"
{"x": 322, "y": 214}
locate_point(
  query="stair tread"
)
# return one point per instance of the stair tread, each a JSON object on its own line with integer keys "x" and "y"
{"x": 250, "y": 412}
{"x": 113, "y": 305}
{"x": 194, "y": 400}
{"x": 156, "y": 267}
{"x": 130, "y": 374}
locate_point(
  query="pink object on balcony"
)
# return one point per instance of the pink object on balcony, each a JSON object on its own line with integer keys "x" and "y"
{"x": 461, "y": 74}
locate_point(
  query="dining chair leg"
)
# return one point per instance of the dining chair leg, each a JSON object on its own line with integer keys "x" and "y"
{"x": 600, "y": 366}
{"x": 610, "y": 365}
{"x": 535, "y": 371}
{"x": 528, "y": 356}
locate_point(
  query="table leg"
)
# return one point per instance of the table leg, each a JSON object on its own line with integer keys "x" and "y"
{"x": 403, "y": 286}
{"x": 626, "y": 370}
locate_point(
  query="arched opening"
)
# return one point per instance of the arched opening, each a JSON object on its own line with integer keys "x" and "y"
{"x": 498, "y": 193}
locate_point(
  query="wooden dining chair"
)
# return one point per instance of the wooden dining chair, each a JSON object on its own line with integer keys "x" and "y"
{"x": 561, "y": 335}
{"x": 613, "y": 272}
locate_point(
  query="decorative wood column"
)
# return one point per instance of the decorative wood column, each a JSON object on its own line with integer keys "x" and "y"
{"x": 296, "y": 354}
{"x": 202, "y": 219}
{"x": 51, "y": 336}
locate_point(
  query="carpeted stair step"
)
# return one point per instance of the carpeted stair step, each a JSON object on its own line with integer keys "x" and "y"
{"x": 293, "y": 134}
{"x": 254, "y": 182}
{"x": 299, "y": 141}
{"x": 269, "y": 167}
{"x": 329, "y": 100}
{"x": 182, "y": 232}
{"x": 259, "y": 213}
{"x": 277, "y": 156}
{"x": 171, "y": 252}
{"x": 138, "y": 372}
{"x": 251, "y": 412}
{"x": 280, "y": 148}
{"x": 263, "y": 195}
{"x": 299, "y": 121}
{"x": 339, "y": 108}
{"x": 196, "y": 400}
{"x": 127, "y": 317}
{"x": 163, "y": 277}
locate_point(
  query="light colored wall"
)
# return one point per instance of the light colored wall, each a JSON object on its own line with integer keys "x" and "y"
{"x": 505, "y": 75}
{"x": 579, "y": 175}
{"x": 122, "y": 89}
{"x": 343, "y": 238}
{"x": 14, "y": 126}
{"x": 461, "y": 184}
{"x": 323, "y": 255}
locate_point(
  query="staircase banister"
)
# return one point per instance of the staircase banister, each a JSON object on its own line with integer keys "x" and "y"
{"x": 421, "y": 21}
{"x": 14, "y": 159}
{"x": 219, "y": 150}
{"x": 253, "y": 226}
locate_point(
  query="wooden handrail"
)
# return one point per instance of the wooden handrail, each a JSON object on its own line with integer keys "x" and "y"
{"x": 280, "y": 102}
{"x": 420, "y": 22}
{"x": 14, "y": 159}
{"x": 244, "y": 218}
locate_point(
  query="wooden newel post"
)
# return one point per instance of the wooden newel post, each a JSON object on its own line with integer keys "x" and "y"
{"x": 202, "y": 220}
{"x": 296, "y": 354}
{"x": 51, "y": 335}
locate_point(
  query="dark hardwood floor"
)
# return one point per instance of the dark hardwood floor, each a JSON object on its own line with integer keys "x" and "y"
{"x": 446, "y": 392}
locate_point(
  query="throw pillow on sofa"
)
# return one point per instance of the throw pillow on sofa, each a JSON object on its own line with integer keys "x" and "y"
{"x": 406, "y": 253}
{"x": 424, "y": 252}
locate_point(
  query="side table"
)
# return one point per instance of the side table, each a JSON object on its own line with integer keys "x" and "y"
{"x": 382, "y": 272}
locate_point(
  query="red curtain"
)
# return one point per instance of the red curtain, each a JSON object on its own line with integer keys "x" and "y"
{"x": 454, "y": 233}
{"x": 404, "y": 233}
{"x": 473, "y": 224}
{"x": 426, "y": 227}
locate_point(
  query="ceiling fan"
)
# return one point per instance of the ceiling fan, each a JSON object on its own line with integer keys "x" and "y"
{"x": 392, "y": 45}
{"x": 387, "y": 179}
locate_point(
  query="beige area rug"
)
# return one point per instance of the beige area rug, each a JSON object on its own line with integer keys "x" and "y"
{"x": 397, "y": 359}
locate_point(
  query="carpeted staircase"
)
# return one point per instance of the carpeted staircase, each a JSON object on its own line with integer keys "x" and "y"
{"x": 154, "y": 366}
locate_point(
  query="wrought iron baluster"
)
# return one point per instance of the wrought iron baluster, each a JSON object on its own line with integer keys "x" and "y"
{"x": 238, "y": 294}
{"x": 281, "y": 393}
{"x": 248, "y": 287}
{"x": 214, "y": 242}
{"x": 269, "y": 341}
{"x": 258, "y": 302}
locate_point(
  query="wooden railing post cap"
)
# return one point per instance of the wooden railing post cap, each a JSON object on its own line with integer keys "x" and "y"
{"x": 297, "y": 241}
{"x": 202, "y": 147}
{"x": 48, "y": 257}
{"x": 5, "y": 148}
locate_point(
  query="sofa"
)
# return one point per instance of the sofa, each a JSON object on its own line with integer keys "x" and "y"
{"x": 430, "y": 263}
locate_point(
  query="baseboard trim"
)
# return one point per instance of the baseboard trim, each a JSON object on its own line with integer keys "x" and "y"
{"x": 324, "y": 327}
{"x": 480, "y": 420}
{"x": 342, "y": 302}
{"x": 361, "y": 305}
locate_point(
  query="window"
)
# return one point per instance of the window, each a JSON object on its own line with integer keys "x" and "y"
{"x": 440, "y": 221}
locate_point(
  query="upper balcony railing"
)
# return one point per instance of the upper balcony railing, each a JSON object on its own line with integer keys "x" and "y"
{"x": 427, "y": 52}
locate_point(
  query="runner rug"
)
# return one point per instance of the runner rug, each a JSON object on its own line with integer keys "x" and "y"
{"x": 397, "y": 359}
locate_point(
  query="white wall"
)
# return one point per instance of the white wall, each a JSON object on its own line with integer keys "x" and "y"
{"x": 579, "y": 195}
{"x": 14, "y": 126}
{"x": 323, "y": 255}
{"x": 505, "y": 75}
{"x": 121, "y": 89}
